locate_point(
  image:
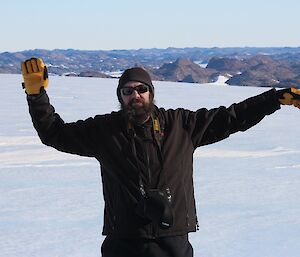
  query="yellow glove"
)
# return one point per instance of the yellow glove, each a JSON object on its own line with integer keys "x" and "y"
{"x": 35, "y": 75}
{"x": 289, "y": 96}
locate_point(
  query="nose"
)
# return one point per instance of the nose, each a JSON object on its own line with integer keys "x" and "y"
{"x": 135, "y": 94}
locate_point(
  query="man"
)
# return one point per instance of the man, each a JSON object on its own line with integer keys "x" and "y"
{"x": 146, "y": 156}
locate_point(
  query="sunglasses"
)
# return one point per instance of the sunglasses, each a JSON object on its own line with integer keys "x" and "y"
{"x": 140, "y": 89}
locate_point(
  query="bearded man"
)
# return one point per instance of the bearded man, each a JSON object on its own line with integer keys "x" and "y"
{"x": 146, "y": 157}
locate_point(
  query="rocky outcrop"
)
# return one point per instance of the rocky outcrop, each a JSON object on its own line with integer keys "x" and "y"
{"x": 263, "y": 71}
{"x": 227, "y": 65}
{"x": 184, "y": 70}
{"x": 253, "y": 78}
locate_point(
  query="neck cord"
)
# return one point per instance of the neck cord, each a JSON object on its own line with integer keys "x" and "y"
{"x": 157, "y": 138}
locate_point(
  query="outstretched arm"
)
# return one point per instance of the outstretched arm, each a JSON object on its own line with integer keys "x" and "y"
{"x": 213, "y": 125}
{"x": 77, "y": 137}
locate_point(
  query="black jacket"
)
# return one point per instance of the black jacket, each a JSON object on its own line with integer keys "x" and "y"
{"x": 106, "y": 138}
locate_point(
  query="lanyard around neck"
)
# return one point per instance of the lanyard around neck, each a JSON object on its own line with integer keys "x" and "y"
{"x": 157, "y": 133}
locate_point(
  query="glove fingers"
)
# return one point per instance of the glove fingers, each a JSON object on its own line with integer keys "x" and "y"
{"x": 40, "y": 64}
{"x": 29, "y": 66}
{"x": 34, "y": 65}
{"x": 45, "y": 73}
{"x": 295, "y": 93}
{"x": 296, "y": 104}
{"x": 295, "y": 90}
{"x": 23, "y": 68}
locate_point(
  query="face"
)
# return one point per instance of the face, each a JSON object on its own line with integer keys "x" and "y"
{"x": 135, "y": 99}
{"x": 137, "y": 104}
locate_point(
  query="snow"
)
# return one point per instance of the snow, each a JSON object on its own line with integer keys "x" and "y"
{"x": 221, "y": 80}
{"x": 247, "y": 187}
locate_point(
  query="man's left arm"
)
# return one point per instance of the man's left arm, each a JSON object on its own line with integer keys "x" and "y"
{"x": 220, "y": 122}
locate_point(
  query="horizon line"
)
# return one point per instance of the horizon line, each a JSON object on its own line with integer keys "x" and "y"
{"x": 150, "y": 48}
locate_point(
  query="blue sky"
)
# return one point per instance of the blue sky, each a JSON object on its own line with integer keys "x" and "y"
{"x": 132, "y": 24}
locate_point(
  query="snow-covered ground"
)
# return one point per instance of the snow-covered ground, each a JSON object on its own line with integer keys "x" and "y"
{"x": 247, "y": 187}
{"x": 222, "y": 79}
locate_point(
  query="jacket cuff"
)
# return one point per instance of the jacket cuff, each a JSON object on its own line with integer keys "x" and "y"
{"x": 36, "y": 97}
{"x": 270, "y": 100}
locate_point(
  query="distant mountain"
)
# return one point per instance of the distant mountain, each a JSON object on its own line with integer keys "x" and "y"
{"x": 184, "y": 70}
{"x": 227, "y": 65}
{"x": 248, "y": 66}
{"x": 260, "y": 70}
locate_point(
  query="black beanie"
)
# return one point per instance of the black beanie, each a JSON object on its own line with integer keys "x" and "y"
{"x": 134, "y": 74}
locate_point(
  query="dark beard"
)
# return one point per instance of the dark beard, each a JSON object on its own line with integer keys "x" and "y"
{"x": 138, "y": 114}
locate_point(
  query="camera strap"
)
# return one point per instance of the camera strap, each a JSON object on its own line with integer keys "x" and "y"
{"x": 157, "y": 135}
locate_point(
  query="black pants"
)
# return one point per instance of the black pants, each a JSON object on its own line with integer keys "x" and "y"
{"x": 173, "y": 246}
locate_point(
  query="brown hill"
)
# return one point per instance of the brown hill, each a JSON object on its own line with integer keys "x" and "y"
{"x": 228, "y": 65}
{"x": 263, "y": 71}
{"x": 184, "y": 70}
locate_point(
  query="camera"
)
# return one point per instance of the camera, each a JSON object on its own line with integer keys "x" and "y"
{"x": 156, "y": 206}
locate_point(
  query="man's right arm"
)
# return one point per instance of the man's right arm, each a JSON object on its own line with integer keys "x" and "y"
{"x": 77, "y": 137}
